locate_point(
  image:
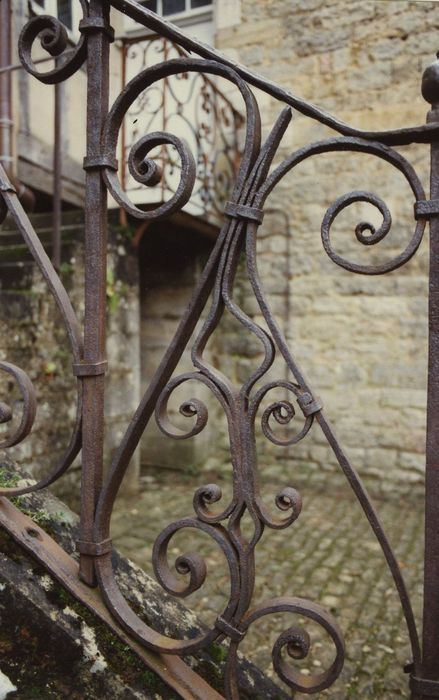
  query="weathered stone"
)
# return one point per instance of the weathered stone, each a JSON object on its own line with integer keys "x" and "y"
{"x": 38, "y": 617}
{"x": 352, "y": 335}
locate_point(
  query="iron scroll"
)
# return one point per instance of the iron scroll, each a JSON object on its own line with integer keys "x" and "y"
{"x": 255, "y": 181}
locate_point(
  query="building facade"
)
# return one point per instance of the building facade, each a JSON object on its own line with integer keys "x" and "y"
{"x": 362, "y": 341}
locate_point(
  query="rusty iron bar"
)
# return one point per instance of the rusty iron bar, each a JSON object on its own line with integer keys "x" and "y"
{"x": 430, "y": 656}
{"x": 394, "y": 137}
{"x": 99, "y": 34}
{"x": 57, "y": 176}
{"x": 177, "y": 674}
{"x": 243, "y": 214}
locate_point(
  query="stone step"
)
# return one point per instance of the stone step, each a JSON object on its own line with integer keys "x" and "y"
{"x": 16, "y": 260}
{"x": 15, "y": 250}
{"x": 44, "y": 221}
{"x": 8, "y": 238}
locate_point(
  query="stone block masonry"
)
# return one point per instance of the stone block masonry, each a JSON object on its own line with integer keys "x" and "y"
{"x": 362, "y": 341}
{"x": 38, "y": 617}
{"x": 34, "y": 338}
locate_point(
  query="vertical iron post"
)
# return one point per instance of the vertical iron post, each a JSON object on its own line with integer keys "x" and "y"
{"x": 428, "y": 685}
{"x": 57, "y": 176}
{"x": 92, "y": 370}
{"x": 5, "y": 86}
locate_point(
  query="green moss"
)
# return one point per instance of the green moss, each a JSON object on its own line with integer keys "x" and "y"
{"x": 140, "y": 612}
{"x": 208, "y": 670}
{"x": 66, "y": 269}
{"x": 8, "y": 480}
{"x": 40, "y": 516}
{"x": 150, "y": 680}
{"x": 119, "y": 656}
{"x": 9, "y": 547}
{"x": 217, "y": 652}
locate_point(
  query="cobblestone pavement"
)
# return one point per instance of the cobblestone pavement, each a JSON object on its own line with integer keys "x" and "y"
{"x": 329, "y": 555}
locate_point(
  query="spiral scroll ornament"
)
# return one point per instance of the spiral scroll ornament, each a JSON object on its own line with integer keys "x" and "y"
{"x": 295, "y": 643}
{"x": 204, "y": 498}
{"x": 374, "y": 235}
{"x": 288, "y": 501}
{"x": 282, "y": 412}
{"x": 189, "y": 409}
{"x": 224, "y": 523}
{"x": 145, "y": 171}
{"x": 193, "y": 566}
{"x": 365, "y": 232}
{"x": 54, "y": 40}
{"x": 29, "y": 406}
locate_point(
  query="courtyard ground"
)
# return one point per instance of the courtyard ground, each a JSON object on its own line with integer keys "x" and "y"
{"x": 329, "y": 556}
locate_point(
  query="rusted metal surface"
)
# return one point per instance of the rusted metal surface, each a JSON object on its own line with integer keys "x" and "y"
{"x": 430, "y": 90}
{"x": 65, "y": 570}
{"x": 243, "y": 213}
{"x": 57, "y": 177}
{"x": 97, "y": 29}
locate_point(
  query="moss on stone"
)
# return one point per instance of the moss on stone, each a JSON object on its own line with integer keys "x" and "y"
{"x": 9, "y": 547}
{"x": 119, "y": 656}
{"x": 8, "y": 479}
{"x": 217, "y": 652}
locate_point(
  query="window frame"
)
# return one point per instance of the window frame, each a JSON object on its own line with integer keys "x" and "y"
{"x": 51, "y": 8}
{"x": 188, "y": 13}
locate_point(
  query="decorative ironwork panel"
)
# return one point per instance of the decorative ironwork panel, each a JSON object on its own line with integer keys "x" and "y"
{"x": 254, "y": 181}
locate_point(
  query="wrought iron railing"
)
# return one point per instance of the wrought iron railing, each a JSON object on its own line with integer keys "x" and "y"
{"x": 243, "y": 214}
{"x": 192, "y": 105}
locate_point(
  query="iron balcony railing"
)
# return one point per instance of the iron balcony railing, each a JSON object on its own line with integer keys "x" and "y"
{"x": 193, "y": 106}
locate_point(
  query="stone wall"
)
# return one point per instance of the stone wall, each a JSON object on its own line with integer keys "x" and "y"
{"x": 171, "y": 258}
{"x": 54, "y": 645}
{"x": 362, "y": 341}
{"x": 34, "y": 338}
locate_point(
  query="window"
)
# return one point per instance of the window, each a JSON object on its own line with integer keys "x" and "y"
{"x": 195, "y": 16}
{"x": 175, "y": 7}
{"x": 65, "y": 13}
{"x": 69, "y": 12}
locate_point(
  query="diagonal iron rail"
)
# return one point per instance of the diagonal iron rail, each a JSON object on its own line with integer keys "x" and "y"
{"x": 243, "y": 214}
{"x": 66, "y": 571}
